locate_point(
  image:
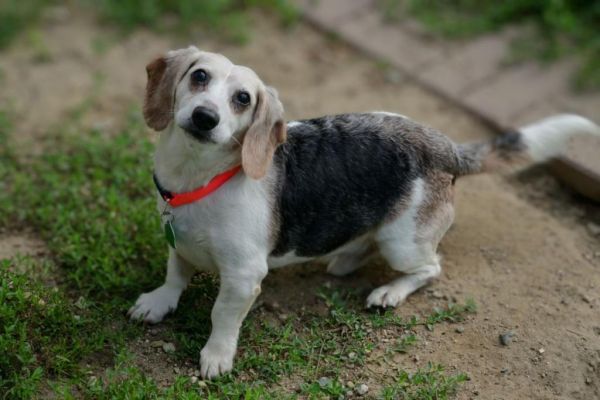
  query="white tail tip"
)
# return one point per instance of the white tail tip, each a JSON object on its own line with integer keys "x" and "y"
{"x": 549, "y": 137}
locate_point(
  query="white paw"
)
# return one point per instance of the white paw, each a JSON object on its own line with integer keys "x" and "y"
{"x": 152, "y": 307}
{"x": 386, "y": 296}
{"x": 216, "y": 360}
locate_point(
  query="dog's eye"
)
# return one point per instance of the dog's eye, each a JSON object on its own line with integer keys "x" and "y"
{"x": 242, "y": 98}
{"x": 200, "y": 76}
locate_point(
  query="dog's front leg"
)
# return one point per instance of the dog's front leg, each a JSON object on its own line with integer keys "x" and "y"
{"x": 239, "y": 287}
{"x": 153, "y": 306}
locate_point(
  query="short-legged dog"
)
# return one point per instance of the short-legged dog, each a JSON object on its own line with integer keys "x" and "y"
{"x": 241, "y": 191}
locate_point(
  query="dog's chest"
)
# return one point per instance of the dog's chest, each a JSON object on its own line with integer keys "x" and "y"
{"x": 192, "y": 236}
{"x": 232, "y": 223}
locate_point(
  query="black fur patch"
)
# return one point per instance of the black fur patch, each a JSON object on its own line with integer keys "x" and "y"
{"x": 509, "y": 145}
{"x": 339, "y": 177}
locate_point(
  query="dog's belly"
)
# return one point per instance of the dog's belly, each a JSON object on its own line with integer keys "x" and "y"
{"x": 355, "y": 246}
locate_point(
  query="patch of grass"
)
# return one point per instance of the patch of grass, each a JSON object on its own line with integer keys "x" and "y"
{"x": 98, "y": 220}
{"x": 227, "y": 17}
{"x": 427, "y": 384}
{"x": 17, "y": 15}
{"x": 563, "y": 27}
{"x": 43, "y": 334}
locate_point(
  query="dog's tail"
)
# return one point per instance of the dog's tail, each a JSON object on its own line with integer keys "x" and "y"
{"x": 533, "y": 143}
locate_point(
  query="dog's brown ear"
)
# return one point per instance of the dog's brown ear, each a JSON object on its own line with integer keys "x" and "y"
{"x": 163, "y": 74}
{"x": 266, "y": 132}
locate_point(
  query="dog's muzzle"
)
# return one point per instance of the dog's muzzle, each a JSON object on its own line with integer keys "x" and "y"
{"x": 202, "y": 122}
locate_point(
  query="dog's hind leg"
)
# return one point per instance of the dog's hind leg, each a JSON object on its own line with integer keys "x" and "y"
{"x": 409, "y": 243}
{"x": 398, "y": 290}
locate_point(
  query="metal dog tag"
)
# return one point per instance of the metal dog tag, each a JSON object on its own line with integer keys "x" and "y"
{"x": 170, "y": 234}
{"x": 168, "y": 228}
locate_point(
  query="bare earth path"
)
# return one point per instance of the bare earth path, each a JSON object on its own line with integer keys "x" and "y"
{"x": 521, "y": 246}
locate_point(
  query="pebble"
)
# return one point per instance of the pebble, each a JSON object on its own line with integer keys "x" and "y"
{"x": 586, "y": 298}
{"x": 361, "y": 389}
{"x": 352, "y": 355}
{"x": 588, "y": 381}
{"x": 194, "y": 379}
{"x": 593, "y": 228}
{"x": 202, "y": 384}
{"x": 157, "y": 343}
{"x": 350, "y": 384}
{"x": 459, "y": 329}
{"x": 283, "y": 317}
{"x": 504, "y": 370}
{"x": 176, "y": 370}
{"x": 196, "y": 372}
{"x": 437, "y": 295}
{"x": 506, "y": 338}
{"x": 324, "y": 381}
{"x": 168, "y": 347}
{"x": 542, "y": 350}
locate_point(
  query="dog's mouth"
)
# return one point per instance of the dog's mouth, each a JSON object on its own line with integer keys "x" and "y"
{"x": 200, "y": 135}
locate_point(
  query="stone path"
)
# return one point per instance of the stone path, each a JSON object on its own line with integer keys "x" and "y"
{"x": 472, "y": 74}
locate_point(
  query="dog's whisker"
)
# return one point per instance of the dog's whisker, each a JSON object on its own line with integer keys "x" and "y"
{"x": 237, "y": 141}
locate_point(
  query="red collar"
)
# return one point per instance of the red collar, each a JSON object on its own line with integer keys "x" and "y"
{"x": 180, "y": 199}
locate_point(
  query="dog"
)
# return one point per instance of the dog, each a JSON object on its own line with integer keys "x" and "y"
{"x": 240, "y": 191}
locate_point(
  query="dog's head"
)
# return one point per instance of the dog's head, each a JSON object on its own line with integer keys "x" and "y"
{"x": 214, "y": 102}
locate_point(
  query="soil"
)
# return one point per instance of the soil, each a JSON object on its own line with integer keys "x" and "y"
{"x": 522, "y": 246}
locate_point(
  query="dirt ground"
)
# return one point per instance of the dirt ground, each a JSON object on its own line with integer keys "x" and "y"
{"x": 523, "y": 247}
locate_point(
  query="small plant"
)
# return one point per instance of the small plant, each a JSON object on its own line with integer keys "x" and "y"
{"x": 427, "y": 384}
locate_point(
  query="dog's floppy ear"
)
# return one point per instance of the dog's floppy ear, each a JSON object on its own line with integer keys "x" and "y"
{"x": 266, "y": 132}
{"x": 163, "y": 74}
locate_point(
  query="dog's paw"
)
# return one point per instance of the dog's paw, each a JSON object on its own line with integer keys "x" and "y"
{"x": 152, "y": 307}
{"x": 215, "y": 361}
{"x": 386, "y": 296}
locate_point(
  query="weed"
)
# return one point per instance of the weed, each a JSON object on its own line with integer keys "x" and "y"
{"x": 17, "y": 15}
{"x": 427, "y": 384}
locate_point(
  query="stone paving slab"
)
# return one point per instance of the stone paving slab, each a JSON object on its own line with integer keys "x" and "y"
{"x": 332, "y": 13}
{"x": 512, "y": 91}
{"x": 468, "y": 65}
{"x": 471, "y": 74}
{"x": 388, "y": 42}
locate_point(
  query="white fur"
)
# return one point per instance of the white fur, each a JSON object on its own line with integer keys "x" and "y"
{"x": 549, "y": 137}
{"x": 389, "y": 114}
{"x": 293, "y": 124}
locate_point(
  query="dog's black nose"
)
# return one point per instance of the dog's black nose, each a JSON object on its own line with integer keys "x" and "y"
{"x": 204, "y": 118}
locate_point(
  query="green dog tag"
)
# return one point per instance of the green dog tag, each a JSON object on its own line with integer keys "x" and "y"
{"x": 170, "y": 234}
